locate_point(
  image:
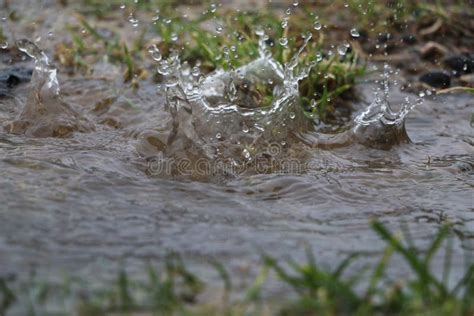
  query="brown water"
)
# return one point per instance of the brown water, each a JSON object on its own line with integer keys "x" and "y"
{"x": 86, "y": 204}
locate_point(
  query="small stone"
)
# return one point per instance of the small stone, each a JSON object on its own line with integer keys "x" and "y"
{"x": 433, "y": 50}
{"x": 436, "y": 79}
{"x": 460, "y": 64}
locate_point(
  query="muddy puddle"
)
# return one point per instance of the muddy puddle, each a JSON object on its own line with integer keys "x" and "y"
{"x": 131, "y": 180}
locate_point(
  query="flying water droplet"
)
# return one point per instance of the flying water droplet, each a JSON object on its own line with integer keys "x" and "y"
{"x": 342, "y": 49}
{"x": 283, "y": 41}
{"x": 213, "y": 8}
{"x": 319, "y": 57}
{"x": 155, "y": 53}
{"x": 317, "y": 26}
{"x": 246, "y": 154}
{"x": 133, "y": 20}
{"x": 196, "y": 71}
{"x": 355, "y": 33}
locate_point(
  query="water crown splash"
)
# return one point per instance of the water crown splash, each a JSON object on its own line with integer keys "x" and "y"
{"x": 379, "y": 126}
{"x": 45, "y": 114}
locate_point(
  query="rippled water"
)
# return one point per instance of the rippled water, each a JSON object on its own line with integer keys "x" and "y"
{"x": 95, "y": 200}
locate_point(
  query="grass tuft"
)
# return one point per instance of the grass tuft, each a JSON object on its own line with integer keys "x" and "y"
{"x": 174, "y": 290}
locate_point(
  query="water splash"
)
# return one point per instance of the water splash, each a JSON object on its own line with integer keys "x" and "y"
{"x": 233, "y": 114}
{"x": 379, "y": 126}
{"x": 45, "y": 114}
{"x": 236, "y": 115}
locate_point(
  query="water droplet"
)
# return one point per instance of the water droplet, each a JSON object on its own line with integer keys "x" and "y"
{"x": 133, "y": 20}
{"x": 245, "y": 129}
{"x": 355, "y": 33}
{"x": 283, "y": 41}
{"x": 155, "y": 53}
{"x": 196, "y": 71}
{"x": 213, "y": 8}
{"x": 292, "y": 115}
{"x": 246, "y": 154}
{"x": 219, "y": 29}
{"x": 319, "y": 57}
{"x": 296, "y": 3}
{"x": 174, "y": 37}
{"x": 218, "y": 135}
{"x": 342, "y": 49}
{"x": 317, "y": 26}
{"x": 4, "y": 45}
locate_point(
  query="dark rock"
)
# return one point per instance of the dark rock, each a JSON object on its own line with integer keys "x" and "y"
{"x": 461, "y": 64}
{"x": 384, "y": 37}
{"x": 409, "y": 39}
{"x": 12, "y": 77}
{"x": 436, "y": 79}
{"x": 15, "y": 75}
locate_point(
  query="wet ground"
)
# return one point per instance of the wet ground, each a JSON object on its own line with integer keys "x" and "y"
{"x": 88, "y": 204}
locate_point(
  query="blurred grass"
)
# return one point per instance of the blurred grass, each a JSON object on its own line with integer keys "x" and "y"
{"x": 199, "y": 43}
{"x": 174, "y": 290}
